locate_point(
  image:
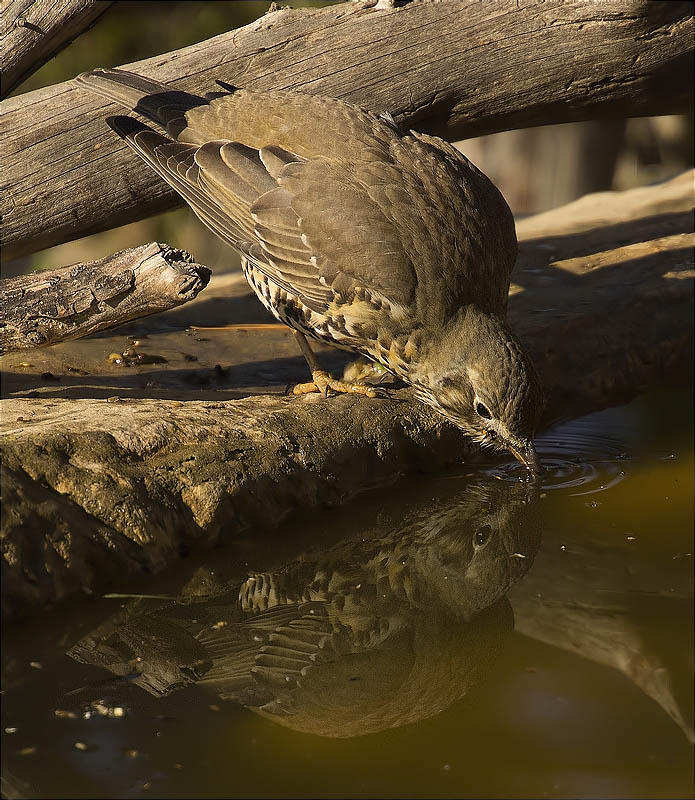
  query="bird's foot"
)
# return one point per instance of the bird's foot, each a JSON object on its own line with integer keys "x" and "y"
{"x": 325, "y": 383}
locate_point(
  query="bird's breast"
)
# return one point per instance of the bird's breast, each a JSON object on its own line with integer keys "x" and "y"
{"x": 364, "y": 322}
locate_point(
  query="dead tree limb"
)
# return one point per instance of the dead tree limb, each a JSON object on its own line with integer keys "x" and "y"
{"x": 460, "y": 68}
{"x": 35, "y": 30}
{"x": 48, "y": 307}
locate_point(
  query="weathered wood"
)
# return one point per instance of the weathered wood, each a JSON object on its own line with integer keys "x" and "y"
{"x": 95, "y": 488}
{"x": 48, "y": 307}
{"x": 458, "y": 68}
{"x": 32, "y": 31}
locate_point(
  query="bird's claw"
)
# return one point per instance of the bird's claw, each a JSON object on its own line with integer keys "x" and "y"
{"x": 326, "y": 384}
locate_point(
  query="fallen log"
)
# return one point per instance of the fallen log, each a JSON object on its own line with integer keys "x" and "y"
{"x": 36, "y": 30}
{"x": 459, "y": 69}
{"x": 49, "y": 307}
{"x": 96, "y": 489}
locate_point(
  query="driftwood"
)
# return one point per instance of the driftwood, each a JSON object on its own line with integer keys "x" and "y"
{"x": 459, "y": 68}
{"x": 35, "y": 30}
{"x": 48, "y": 307}
{"x": 97, "y": 490}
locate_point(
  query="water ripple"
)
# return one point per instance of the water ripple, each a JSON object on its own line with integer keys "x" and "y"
{"x": 575, "y": 456}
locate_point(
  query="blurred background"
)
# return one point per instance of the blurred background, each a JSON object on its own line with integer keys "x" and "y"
{"x": 535, "y": 168}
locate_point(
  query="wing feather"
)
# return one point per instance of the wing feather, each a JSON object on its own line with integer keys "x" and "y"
{"x": 295, "y": 210}
{"x": 329, "y": 200}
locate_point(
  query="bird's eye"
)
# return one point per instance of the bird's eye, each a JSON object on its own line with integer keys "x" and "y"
{"x": 482, "y": 536}
{"x": 482, "y": 411}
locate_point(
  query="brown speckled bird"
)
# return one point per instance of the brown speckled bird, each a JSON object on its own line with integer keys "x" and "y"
{"x": 386, "y": 242}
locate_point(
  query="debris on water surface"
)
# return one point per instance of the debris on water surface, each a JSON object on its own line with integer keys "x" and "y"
{"x": 630, "y": 538}
{"x": 130, "y": 356}
{"x": 35, "y": 665}
{"x": 104, "y": 709}
{"x": 10, "y": 730}
{"x": 61, "y": 713}
{"x": 149, "y": 358}
{"x": 132, "y": 753}
{"x": 81, "y": 746}
{"x": 27, "y": 751}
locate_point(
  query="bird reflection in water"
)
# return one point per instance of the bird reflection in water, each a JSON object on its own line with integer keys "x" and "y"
{"x": 371, "y": 633}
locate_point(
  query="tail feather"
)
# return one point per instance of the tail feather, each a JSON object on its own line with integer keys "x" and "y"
{"x": 154, "y": 100}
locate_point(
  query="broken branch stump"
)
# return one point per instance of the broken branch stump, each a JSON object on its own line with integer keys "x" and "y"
{"x": 49, "y": 307}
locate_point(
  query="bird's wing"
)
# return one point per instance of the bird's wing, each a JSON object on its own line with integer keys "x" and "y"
{"x": 365, "y": 205}
{"x": 461, "y": 226}
{"x": 269, "y": 652}
{"x": 310, "y": 225}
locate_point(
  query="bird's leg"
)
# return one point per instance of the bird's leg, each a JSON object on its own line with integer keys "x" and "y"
{"x": 323, "y": 381}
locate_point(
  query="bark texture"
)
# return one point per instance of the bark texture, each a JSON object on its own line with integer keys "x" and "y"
{"x": 33, "y": 31}
{"x": 458, "y": 68}
{"x": 55, "y": 305}
{"x": 95, "y": 489}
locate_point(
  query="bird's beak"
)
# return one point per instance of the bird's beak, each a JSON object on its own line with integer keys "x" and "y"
{"x": 526, "y": 455}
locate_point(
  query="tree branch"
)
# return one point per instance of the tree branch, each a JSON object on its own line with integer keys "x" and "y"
{"x": 460, "y": 68}
{"x": 33, "y": 31}
{"x": 49, "y": 307}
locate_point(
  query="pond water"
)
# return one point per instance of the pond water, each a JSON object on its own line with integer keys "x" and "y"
{"x": 472, "y": 634}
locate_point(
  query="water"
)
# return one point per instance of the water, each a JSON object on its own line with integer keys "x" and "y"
{"x": 468, "y": 635}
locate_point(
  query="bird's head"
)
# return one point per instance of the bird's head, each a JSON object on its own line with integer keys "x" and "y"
{"x": 478, "y": 376}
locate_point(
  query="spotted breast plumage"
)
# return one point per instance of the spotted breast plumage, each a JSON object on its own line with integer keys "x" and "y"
{"x": 355, "y": 233}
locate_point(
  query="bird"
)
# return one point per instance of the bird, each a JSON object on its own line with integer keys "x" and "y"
{"x": 355, "y": 233}
{"x": 383, "y": 628}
